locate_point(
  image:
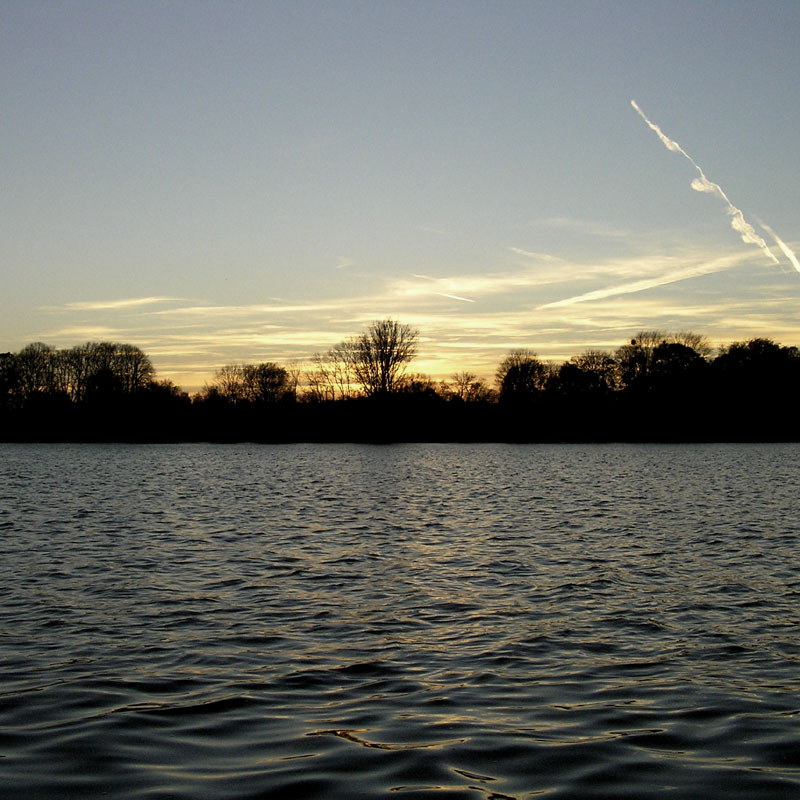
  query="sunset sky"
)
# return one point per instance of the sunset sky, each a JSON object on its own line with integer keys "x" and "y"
{"x": 221, "y": 182}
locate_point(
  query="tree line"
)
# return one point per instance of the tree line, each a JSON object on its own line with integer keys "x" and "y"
{"x": 658, "y": 385}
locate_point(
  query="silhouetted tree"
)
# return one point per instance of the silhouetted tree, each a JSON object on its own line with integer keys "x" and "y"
{"x": 294, "y": 374}
{"x": 460, "y": 383}
{"x": 521, "y": 376}
{"x": 594, "y": 372}
{"x": 36, "y": 369}
{"x": 660, "y": 386}
{"x": 228, "y": 383}
{"x": 331, "y": 375}
{"x": 249, "y": 383}
{"x": 469, "y": 388}
{"x": 696, "y": 341}
{"x": 100, "y": 371}
{"x": 265, "y": 383}
{"x": 676, "y": 366}
{"x": 418, "y": 384}
{"x": 378, "y": 357}
{"x": 166, "y": 389}
{"x": 318, "y": 387}
{"x": 759, "y": 367}
{"x": 635, "y": 359}
{"x": 79, "y": 369}
{"x": 678, "y": 398}
{"x": 132, "y": 368}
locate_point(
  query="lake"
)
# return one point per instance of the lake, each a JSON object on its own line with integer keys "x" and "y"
{"x": 419, "y": 621}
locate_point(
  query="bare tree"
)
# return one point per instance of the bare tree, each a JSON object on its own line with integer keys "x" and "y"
{"x": 132, "y": 367}
{"x": 469, "y": 387}
{"x": 317, "y": 380}
{"x": 77, "y": 366}
{"x": 696, "y": 341}
{"x": 461, "y": 382}
{"x": 294, "y": 372}
{"x": 34, "y": 363}
{"x": 378, "y": 357}
{"x": 250, "y": 383}
{"x": 340, "y": 371}
{"x": 331, "y": 376}
{"x": 419, "y": 384}
{"x": 229, "y": 382}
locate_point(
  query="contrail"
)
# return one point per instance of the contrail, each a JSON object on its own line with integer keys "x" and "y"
{"x": 455, "y": 297}
{"x": 703, "y": 184}
{"x": 783, "y": 246}
{"x": 645, "y": 283}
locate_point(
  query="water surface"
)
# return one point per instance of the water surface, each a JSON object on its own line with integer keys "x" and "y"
{"x": 463, "y": 621}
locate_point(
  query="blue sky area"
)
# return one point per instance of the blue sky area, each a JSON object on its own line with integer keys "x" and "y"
{"x": 220, "y": 182}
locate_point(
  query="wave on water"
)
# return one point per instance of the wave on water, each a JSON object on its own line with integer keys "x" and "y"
{"x": 504, "y": 621}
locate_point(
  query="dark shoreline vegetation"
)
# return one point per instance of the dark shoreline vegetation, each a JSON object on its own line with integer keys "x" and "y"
{"x": 658, "y": 387}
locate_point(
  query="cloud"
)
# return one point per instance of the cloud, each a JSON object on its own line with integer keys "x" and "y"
{"x": 86, "y": 333}
{"x": 617, "y": 275}
{"x": 537, "y": 256}
{"x": 703, "y": 184}
{"x": 112, "y": 305}
{"x": 480, "y": 284}
{"x": 555, "y": 307}
{"x": 249, "y": 309}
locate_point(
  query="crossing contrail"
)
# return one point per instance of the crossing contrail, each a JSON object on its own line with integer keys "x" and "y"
{"x": 783, "y": 246}
{"x": 703, "y": 184}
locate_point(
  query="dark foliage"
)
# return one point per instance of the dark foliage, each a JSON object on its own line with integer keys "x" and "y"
{"x": 656, "y": 388}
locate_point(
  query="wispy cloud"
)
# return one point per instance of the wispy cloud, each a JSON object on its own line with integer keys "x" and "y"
{"x": 115, "y": 305}
{"x": 535, "y": 256}
{"x": 249, "y": 309}
{"x": 85, "y": 332}
{"x": 480, "y": 284}
{"x": 555, "y": 307}
{"x": 703, "y": 184}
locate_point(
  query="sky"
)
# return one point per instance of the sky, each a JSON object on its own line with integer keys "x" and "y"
{"x": 228, "y": 182}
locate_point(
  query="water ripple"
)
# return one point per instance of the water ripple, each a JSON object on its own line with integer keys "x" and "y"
{"x": 488, "y": 621}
